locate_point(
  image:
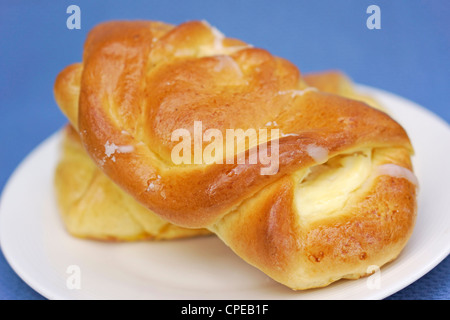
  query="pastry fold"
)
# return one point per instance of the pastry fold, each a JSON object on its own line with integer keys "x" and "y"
{"x": 343, "y": 195}
{"x": 94, "y": 207}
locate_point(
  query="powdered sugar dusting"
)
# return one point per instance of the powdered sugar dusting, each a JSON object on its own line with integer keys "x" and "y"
{"x": 295, "y": 93}
{"x": 397, "y": 171}
{"x": 271, "y": 123}
{"x": 154, "y": 185}
{"x": 111, "y": 149}
{"x": 151, "y": 187}
{"x": 125, "y": 149}
{"x": 125, "y": 132}
{"x": 318, "y": 153}
{"x": 218, "y": 36}
{"x": 289, "y": 134}
{"x": 218, "y": 45}
{"x": 227, "y": 62}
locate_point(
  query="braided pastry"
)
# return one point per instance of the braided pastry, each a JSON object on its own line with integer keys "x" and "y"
{"x": 94, "y": 207}
{"x": 341, "y": 198}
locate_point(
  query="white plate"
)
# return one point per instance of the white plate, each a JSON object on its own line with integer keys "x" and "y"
{"x": 37, "y": 247}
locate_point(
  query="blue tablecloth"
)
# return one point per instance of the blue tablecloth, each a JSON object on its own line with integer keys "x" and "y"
{"x": 408, "y": 56}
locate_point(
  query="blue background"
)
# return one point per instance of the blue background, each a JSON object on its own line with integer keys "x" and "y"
{"x": 409, "y": 56}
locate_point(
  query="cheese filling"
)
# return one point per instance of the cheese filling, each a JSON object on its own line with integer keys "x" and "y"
{"x": 327, "y": 187}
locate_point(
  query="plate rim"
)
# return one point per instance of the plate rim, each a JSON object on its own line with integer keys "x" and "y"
{"x": 47, "y": 293}
{"x": 5, "y": 192}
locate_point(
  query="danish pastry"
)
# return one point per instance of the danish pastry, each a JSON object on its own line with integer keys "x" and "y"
{"x": 93, "y": 207}
{"x": 342, "y": 197}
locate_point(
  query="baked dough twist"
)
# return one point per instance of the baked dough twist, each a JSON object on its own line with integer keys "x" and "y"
{"x": 343, "y": 197}
{"x": 94, "y": 207}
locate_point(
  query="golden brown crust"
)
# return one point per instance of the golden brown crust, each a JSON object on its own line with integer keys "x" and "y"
{"x": 67, "y": 91}
{"x": 142, "y": 80}
{"x": 135, "y": 98}
{"x": 93, "y": 207}
{"x": 336, "y": 82}
{"x": 370, "y": 230}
